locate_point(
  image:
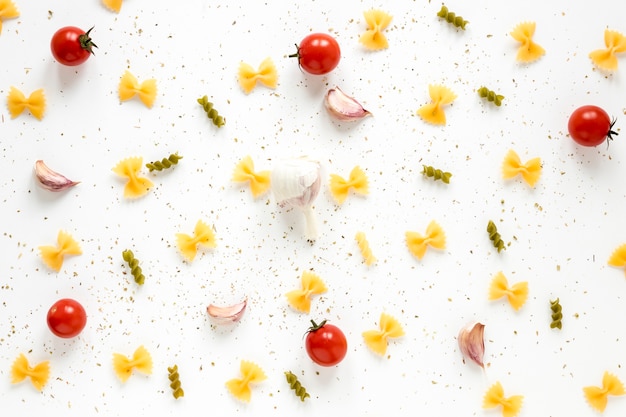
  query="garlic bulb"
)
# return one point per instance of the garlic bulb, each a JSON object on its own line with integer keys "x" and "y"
{"x": 51, "y": 180}
{"x": 296, "y": 183}
{"x": 343, "y": 107}
{"x": 472, "y": 343}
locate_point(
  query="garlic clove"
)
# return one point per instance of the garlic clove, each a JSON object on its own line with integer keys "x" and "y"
{"x": 472, "y": 343}
{"x": 343, "y": 107}
{"x": 227, "y": 314}
{"x": 51, "y": 180}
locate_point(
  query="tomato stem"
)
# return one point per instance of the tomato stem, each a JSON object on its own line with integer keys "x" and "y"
{"x": 297, "y": 54}
{"x": 315, "y": 327}
{"x": 86, "y": 43}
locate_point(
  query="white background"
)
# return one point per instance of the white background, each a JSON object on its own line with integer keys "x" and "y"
{"x": 561, "y": 233}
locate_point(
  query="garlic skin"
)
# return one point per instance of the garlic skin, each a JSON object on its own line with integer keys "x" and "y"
{"x": 343, "y": 107}
{"x": 51, "y": 180}
{"x": 227, "y": 314}
{"x": 472, "y": 343}
{"x": 296, "y": 183}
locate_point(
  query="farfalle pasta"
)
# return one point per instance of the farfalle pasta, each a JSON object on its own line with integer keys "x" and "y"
{"x": 433, "y": 112}
{"x": 136, "y": 186}
{"x": 8, "y": 10}
{"x": 365, "y": 249}
{"x": 203, "y": 235}
{"x": 512, "y": 166}
{"x": 113, "y": 5}
{"x": 378, "y": 340}
{"x": 266, "y": 75}
{"x": 311, "y": 284}
{"x": 418, "y": 243}
{"x": 340, "y": 187}
{"x": 38, "y": 374}
{"x": 251, "y": 373}
{"x": 516, "y": 294}
{"x": 17, "y": 102}
{"x": 141, "y": 361}
{"x": 494, "y": 397}
{"x": 606, "y": 59}
{"x": 130, "y": 87}
{"x": 598, "y": 397}
{"x": 377, "y": 21}
{"x": 53, "y": 256}
{"x": 528, "y": 51}
{"x": 618, "y": 257}
{"x": 259, "y": 182}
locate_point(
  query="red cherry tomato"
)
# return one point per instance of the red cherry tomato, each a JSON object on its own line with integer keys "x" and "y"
{"x": 590, "y": 126}
{"x": 325, "y": 344}
{"x": 318, "y": 53}
{"x": 71, "y": 45}
{"x": 66, "y": 318}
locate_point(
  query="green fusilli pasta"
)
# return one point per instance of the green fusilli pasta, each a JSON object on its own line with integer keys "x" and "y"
{"x": 495, "y": 237}
{"x": 211, "y": 113}
{"x": 175, "y": 384}
{"x": 452, "y": 18}
{"x": 437, "y": 174}
{"x": 484, "y": 92}
{"x": 164, "y": 163}
{"x": 557, "y": 314}
{"x": 295, "y": 385}
{"x": 133, "y": 264}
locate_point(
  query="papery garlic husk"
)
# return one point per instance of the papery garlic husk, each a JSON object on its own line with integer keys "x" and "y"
{"x": 51, "y": 180}
{"x": 227, "y": 314}
{"x": 343, "y": 107}
{"x": 472, "y": 342}
{"x": 296, "y": 183}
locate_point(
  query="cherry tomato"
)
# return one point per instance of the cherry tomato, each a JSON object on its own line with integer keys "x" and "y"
{"x": 66, "y": 318}
{"x": 326, "y": 344}
{"x": 318, "y": 53}
{"x": 71, "y": 45}
{"x": 590, "y": 126}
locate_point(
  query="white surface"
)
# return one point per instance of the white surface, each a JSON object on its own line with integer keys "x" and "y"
{"x": 561, "y": 233}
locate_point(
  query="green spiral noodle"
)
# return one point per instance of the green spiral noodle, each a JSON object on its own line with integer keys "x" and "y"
{"x": 164, "y": 163}
{"x": 557, "y": 315}
{"x": 495, "y": 237}
{"x": 452, "y": 18}
{"x": 133, "y": 264}
{"x": 211, "y": 113}
{"x": 484, "y": 92}
{"x": 437, "y": 174}
{"x": 295, "y": 385}
{"x": 175, "y": 384}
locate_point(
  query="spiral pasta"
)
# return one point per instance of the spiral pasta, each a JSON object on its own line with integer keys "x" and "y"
{"x": 597, "y": 397}
{"x": 557, "y": 314}
{"x": 17, "y": 102}
{"x": 53, "y": 256}
{"x": 490, "y": 95}
{"x": 615, "y": 43}
{"x": 211, "y": 113}
{"x": 175, "y": 383}
{"x": 296, "y": 386}
{"x": 528, "y": 51}
{"x": 365, "y": 248}
{"x": 452, "y": 18}
{"x": 133, "y": 264}
{"x": 38, "y": 374}
{"x": 436, "y": 174}
{"x": 494, "y": 397}
{"x": 124, "y": 366}
{"x": 164, "y": 163}
{"x": 495, "y": 237}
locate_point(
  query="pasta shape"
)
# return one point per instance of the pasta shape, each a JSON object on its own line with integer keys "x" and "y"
{"x": 495, "y": 237}
{"x": 557, "y": 314}
{"x": 512, "y": 167}
{"x": 211, "y": 113}
{"x": 140, "y": 361}
{"x": 296, "y": 386}
{"x": 615, "y": 43}
{"x": 129, "y": 87}
{"x": 436, "y": 174}
{"x": 528, "y": 51}
{"x": 618, "y": 257}
{"x": 136, "y": 186}
{"x": 377, "y": 21}
{"x": 38, "y": 374}
{"x": 418, "y": 243}
{"x": 175, "y": 383}
{"x": 364, "y": 247}
{"x": 452, "y": 18}
{"x": 491, "y": 96}
{"x": 113, "y": 5}
{"x": 133, "y": 264}
{"x": 515, "y": 294}
{"x": 494, "y": 397}
{"x": 251, "y": 373}
{"x": 340, "y": 187}
{"x": 164, "y": 163}
{"x": 597, "y": 397}
{"x": 35, "y": 103}
{"x": 53, "y": 256}
{"x": 433, "y": 112}
{"x": 259, "y": 181}
{"x": 202, "y": 235}
{"x": 311, "y": 284}
{"x": 8, "y": 10}
{"x": 266, "y": 75}
{"x": 377, "y": 340}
